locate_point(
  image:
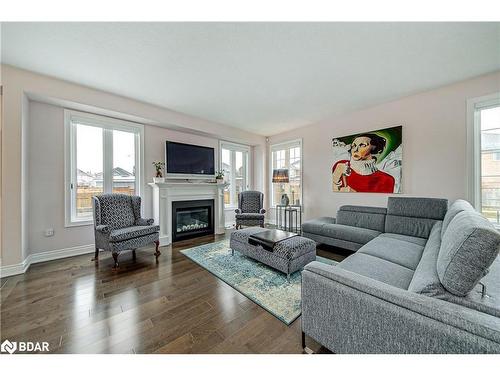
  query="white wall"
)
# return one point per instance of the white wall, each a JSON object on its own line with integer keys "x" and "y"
{"x": 434, "y": 145}
{"x": 27, "y": 212}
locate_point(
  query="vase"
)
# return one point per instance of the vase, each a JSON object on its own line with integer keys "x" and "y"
{"x": 285, "y": 200}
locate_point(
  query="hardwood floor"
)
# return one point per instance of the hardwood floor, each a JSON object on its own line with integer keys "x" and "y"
{"x": 173, "y": 306}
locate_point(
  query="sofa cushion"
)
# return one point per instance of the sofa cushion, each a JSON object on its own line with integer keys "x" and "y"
{"x": 242, "y": 235}
{"x": 123, "y": 234}
{"x": 457, "y": 206}
{"x": 343, "y": 232}
{"x": 353, "y": 246}
{"x": 426, "y": 280}
{"x": 414, "y": 216}
{"x": 469, "y": 246}
{"x": 250, "y": 216}
{"x": 402, "y": 237}
{"x": 378, "y": 269}
{"x": 116, "y": 210}
{"x": 362, "y": 216}
{"x": 403, "y": 253}
{"x": 313, "y": 224}
{"x": 250, "y": 201}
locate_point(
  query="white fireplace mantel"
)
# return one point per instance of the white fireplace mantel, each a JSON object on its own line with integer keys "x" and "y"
{"x": 166, "y": 193}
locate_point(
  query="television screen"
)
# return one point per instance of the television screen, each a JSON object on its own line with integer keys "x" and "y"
{"x": 187, "y": 159}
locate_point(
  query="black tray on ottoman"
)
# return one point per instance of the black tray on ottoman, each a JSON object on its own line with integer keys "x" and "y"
{"x": 269, "y": 238}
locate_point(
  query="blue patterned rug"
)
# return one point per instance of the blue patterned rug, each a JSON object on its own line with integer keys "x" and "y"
{"x": 262, "y": 284}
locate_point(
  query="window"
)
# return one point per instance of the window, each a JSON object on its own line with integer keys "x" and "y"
{"x": 234, "y": 161}
{"x": 103, "y": 155}
{"x": 486, "y": 154}
{"x": 288, "y": 156}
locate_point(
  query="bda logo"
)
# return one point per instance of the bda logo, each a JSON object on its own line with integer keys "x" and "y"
{"x": 8, "y": 346}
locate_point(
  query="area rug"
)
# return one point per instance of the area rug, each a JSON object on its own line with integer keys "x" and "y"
{"x": 262, "y": 284}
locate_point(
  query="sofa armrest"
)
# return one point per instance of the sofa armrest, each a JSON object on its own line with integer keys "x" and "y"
{"x": 144, "y": 222}
{"x": 103, "y": 229}
{"x": 351, "y": 313}
{"x": 262, "y": 211}
{"x": 238, "y": 211}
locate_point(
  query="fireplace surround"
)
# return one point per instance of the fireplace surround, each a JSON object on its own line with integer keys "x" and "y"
{"x": 166, "y": 193}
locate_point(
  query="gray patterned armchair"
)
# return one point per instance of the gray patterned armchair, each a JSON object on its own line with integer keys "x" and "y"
{"x": 250, "y": 211}
{"x": 118, "y": 225}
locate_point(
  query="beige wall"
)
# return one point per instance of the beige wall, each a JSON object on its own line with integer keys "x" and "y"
{"x": 33, "y": 198}
{"x": 434, "y": 145}
{"x": 46, "y": 176}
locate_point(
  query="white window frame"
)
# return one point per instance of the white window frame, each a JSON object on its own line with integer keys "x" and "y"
{"x": 280, "y": 146}
{"x": 236, "y": 147}
{"x": 108, "y": 124}
{"x": 473, "y": 175}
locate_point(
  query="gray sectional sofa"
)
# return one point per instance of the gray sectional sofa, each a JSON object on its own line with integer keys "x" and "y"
{"x": 417, "y": 283}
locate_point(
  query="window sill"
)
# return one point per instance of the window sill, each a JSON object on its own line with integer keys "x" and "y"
{"x": 82, "y": 223}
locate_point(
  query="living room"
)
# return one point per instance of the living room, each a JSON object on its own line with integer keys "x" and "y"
{"x": 250, "y": 187}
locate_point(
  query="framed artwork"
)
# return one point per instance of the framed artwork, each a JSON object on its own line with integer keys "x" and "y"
{"x": 368, "y": 162}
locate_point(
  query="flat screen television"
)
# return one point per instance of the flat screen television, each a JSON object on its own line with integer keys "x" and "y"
{"x": 189, "y": 161}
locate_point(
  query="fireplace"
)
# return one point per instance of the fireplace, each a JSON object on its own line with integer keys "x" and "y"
{"x": 192, "y": 219}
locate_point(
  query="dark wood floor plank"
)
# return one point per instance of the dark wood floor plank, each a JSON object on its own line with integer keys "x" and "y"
{"x": 173, "y": 306}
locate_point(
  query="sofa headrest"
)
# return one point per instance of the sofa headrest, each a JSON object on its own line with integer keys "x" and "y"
{"x": 414, "y": 216}
{"x": 458, "y": 206}
{"x": 364, "y": 209}
{"x": 426, "y": 208}
{"x": 426, "y": 280}
{"x": 469, "y": 246}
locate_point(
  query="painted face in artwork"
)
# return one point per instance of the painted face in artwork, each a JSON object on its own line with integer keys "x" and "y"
{"x": 361, "y": 148}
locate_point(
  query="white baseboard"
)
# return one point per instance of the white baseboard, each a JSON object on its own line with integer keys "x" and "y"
{"x": 61, "y": 253}
{"x": 164, "y": 241}
{"x": 16, "y": 269}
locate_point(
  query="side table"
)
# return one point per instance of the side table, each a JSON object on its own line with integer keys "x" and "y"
{"x": 289, "y": 217}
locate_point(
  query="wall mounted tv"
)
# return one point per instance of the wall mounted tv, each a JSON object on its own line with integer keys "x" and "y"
{"x": 189, "y": 161}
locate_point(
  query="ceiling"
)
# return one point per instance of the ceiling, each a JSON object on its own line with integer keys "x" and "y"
{"x": 261, "y": 77}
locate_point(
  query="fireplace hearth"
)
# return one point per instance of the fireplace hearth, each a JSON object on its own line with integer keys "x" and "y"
{"x": 192, "y": 218}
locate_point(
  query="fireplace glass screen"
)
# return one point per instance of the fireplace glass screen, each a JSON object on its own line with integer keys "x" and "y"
{"x": 192, "y": 219}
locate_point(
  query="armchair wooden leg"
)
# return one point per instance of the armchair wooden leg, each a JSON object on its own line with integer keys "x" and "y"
{"x": 96, "y": 255}
{"x": 115, "y": 258}
{"x": 134, "y": 256}
{"x": 157, "y": 252}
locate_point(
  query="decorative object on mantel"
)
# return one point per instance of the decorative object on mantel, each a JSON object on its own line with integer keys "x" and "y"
{"x": 159, "y": 165}
{"x": 219, "y": 176}
{"x": 280, "y": 176}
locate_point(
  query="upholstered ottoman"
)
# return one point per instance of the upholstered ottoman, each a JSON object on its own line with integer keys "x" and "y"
{"x": 288, "y": 256}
